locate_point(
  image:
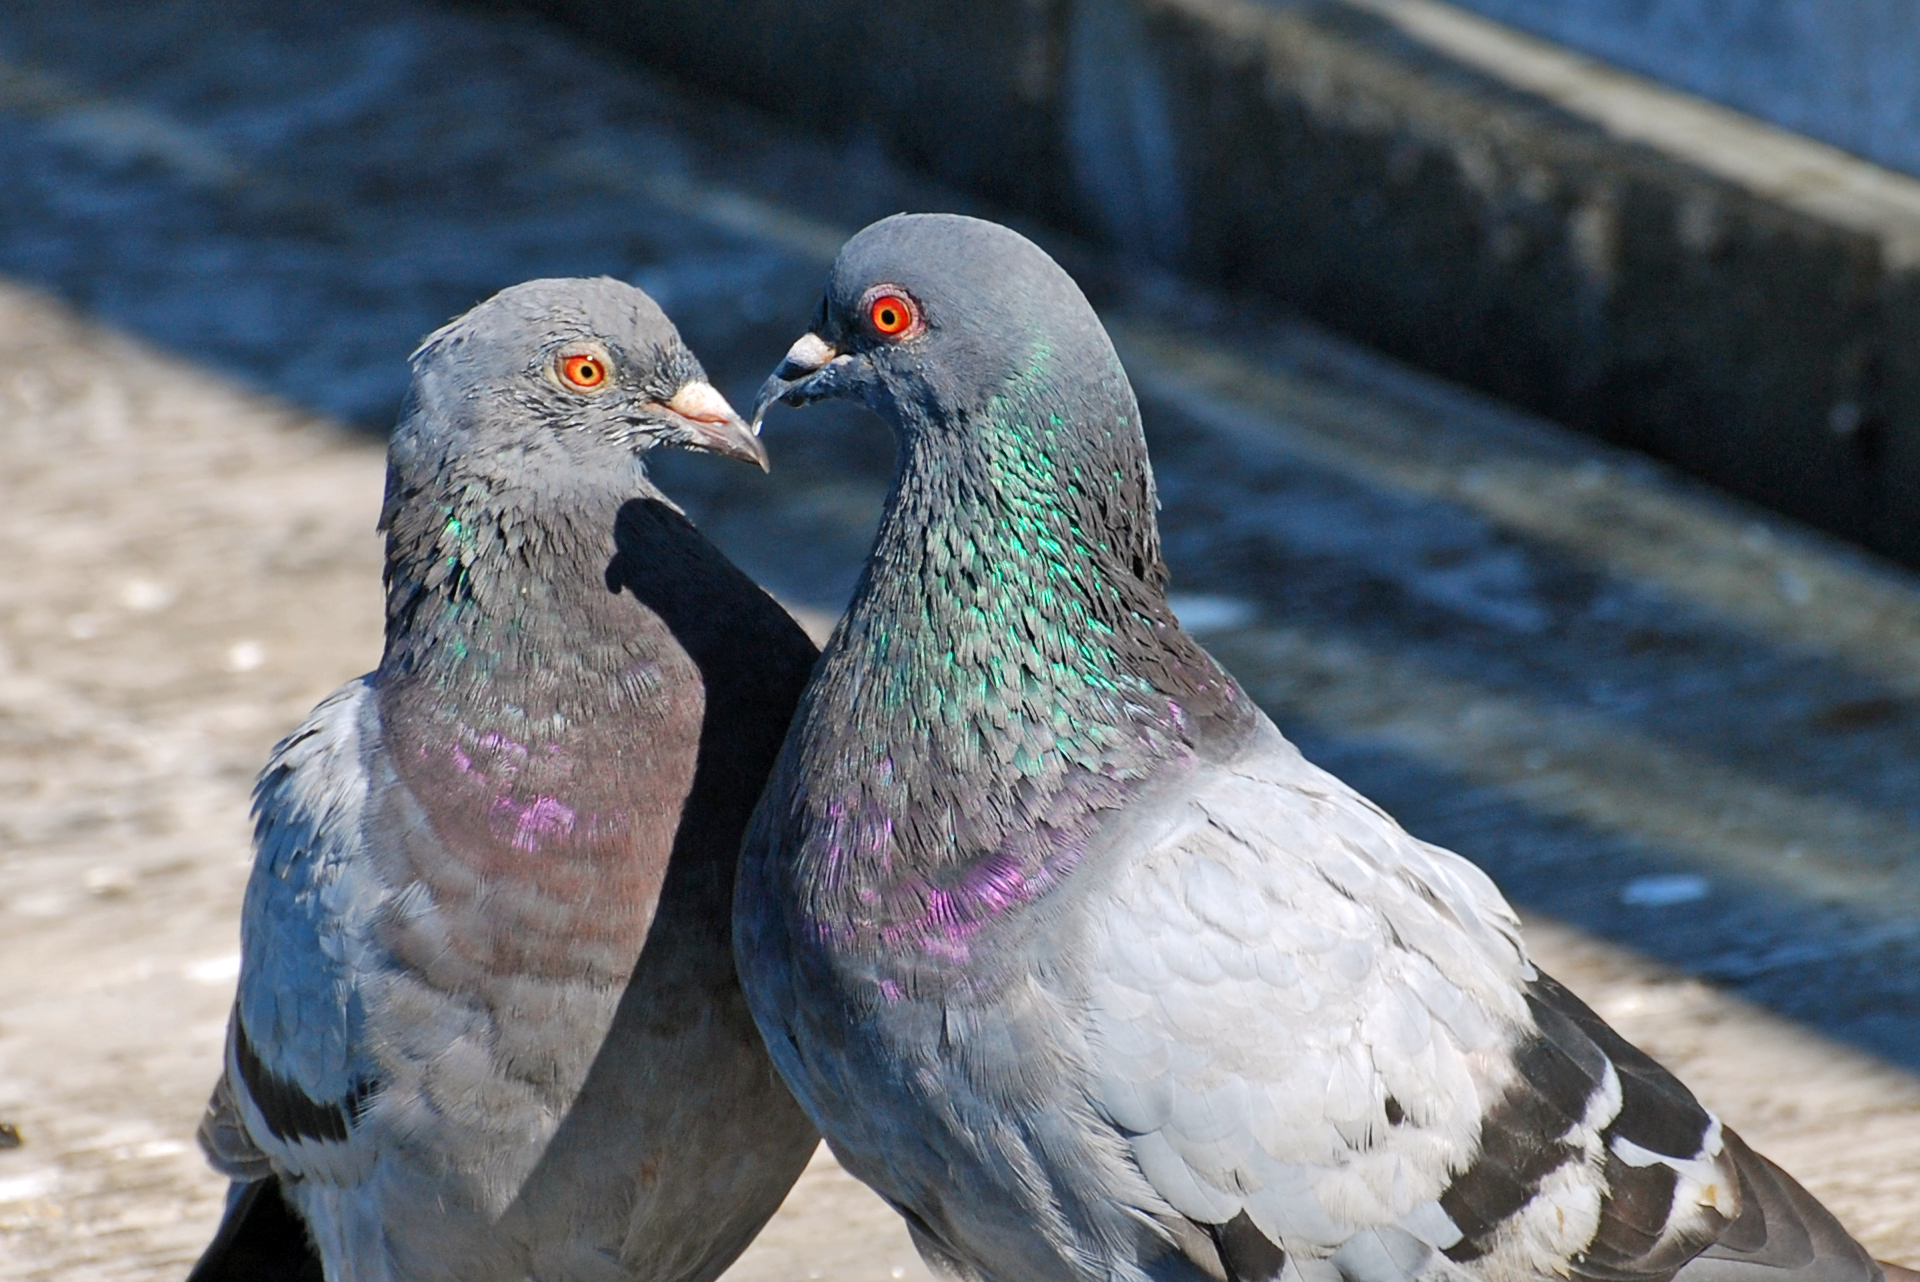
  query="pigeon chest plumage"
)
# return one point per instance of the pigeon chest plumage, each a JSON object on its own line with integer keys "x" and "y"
{"x": 542, "y": 840}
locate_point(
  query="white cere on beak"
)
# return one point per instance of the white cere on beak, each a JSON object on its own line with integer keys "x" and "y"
{"x": 810, "y": 352}
{"x": 702, "y": 403}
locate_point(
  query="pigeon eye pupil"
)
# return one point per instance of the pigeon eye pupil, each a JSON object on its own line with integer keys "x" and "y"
{"x": 891, "y": 314}
{"x": 583, "y": 371}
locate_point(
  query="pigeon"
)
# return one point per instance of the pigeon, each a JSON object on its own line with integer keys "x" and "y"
{"x": 1081, "y": 966}
{"x": 487, "y": 1024}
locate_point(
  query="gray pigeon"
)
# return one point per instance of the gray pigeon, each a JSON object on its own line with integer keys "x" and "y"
{"x": 1080, "y": 964}
{"x": 487, "y": 1025}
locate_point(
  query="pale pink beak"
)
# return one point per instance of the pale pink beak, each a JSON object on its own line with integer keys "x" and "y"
{"x": 706, "y": 422}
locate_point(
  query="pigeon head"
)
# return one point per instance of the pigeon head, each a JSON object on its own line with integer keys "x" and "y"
{"x": 992, "y": 369}
{"x": 562, "y": 375}
{"x": 938, "y": 318}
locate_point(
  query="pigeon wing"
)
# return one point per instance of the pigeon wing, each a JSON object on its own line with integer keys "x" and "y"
{"x": 224, "y": 1137}
{"x": 1324, "y": 1044}
{"x": 297, "y": 1078}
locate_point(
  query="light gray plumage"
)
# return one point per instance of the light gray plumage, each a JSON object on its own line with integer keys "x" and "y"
{"x": 1078, "y": 962}
{"x": 487, "y": 1025}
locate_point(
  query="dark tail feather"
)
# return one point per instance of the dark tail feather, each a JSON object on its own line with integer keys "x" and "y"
{"x": 261, "y": 1239}
{"x": 1781, "y": 1235}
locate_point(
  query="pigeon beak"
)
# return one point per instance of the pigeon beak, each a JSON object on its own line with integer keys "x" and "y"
{"x": 702, "y": 420}
{"x": 789, "y": 380}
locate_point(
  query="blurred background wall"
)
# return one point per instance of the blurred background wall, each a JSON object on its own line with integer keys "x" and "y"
{"x": 1844, "y": 71}
{"x": 1627, "y": 260}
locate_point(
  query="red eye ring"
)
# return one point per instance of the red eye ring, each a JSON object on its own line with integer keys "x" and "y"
{"x": 584, "y": 371}
{"x": 892, "y": 314}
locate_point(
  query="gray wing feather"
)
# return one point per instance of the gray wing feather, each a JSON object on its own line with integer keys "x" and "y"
{"x": 224, "y": 1138}
{"x": 296, "y": 1071}
{"x": 1279, "y": 975}
{"x": 1317, "y": 1031}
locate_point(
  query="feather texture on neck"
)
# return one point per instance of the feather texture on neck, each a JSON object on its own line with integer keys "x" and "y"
{"x": 1010, "y": 656}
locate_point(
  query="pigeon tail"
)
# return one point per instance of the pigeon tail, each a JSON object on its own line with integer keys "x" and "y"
{"x": 259, "y": 1237}
{"x": 1780, "y": 1235}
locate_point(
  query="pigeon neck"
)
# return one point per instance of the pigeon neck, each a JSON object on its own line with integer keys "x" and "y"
{"x": 481, "y": 574}
{"x": 1008, "y": 671}
{"x": 1020, "y": 556}
{"x": 988, "y": 564}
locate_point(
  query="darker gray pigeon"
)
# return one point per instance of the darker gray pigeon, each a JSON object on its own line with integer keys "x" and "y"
{"x": 487, "y": 1025}
{"x": 1080, "y": 964}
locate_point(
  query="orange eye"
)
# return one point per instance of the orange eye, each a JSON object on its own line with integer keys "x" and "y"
{"x": 583, "y": 371}
{"x": 892, "y": 314}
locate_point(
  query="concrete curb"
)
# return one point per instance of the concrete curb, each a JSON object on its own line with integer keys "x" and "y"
{"x": 1628, "y": 260}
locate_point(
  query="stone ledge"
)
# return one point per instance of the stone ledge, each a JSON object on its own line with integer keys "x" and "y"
{"x": 1626, "y": 259}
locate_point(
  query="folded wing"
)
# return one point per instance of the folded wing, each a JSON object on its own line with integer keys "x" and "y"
{"x": 1325, "y": 1045}
{"x": 297, "y": 1079}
